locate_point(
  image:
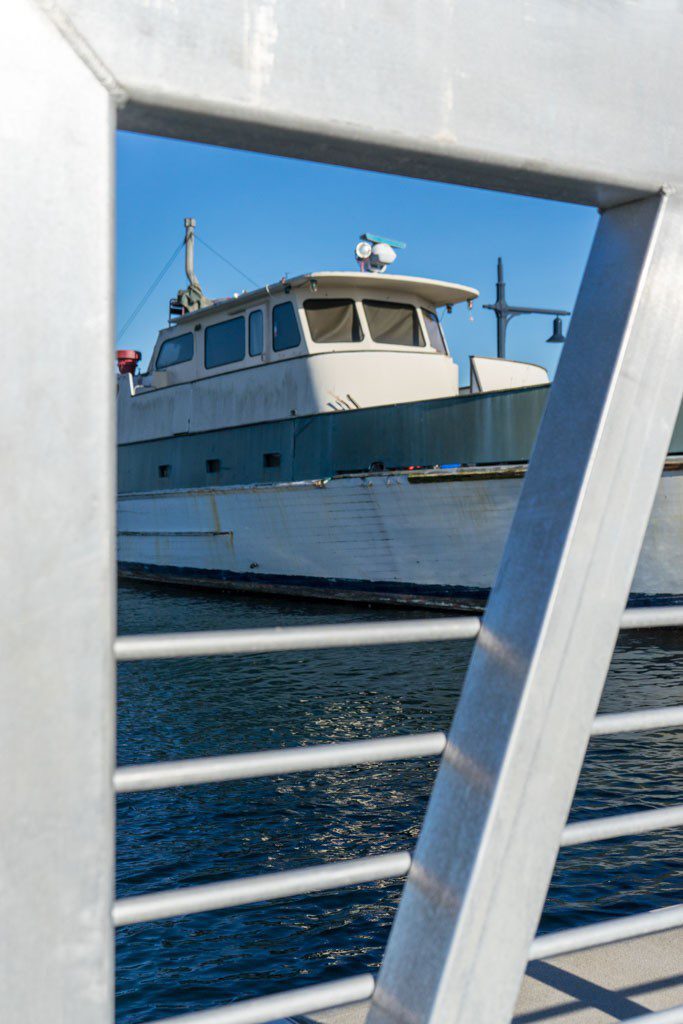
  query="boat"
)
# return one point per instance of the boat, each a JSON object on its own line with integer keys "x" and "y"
{"x": 311, "y": 438}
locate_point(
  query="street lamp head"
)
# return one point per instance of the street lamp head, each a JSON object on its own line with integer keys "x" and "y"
{"x": 557, "y": 336}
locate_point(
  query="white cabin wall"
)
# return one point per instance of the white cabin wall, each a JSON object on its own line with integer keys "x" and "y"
{"x": 273, "y": 391}
{"x": 310, "y": 379}
{"x": 373, "y": 377}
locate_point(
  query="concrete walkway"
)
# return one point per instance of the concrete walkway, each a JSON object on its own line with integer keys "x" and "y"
{"x": 596, "y": 986}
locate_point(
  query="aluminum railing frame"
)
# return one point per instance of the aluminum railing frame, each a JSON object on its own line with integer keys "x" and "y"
{"x": 57, "y": 571}
{"x": 67, "y": 69}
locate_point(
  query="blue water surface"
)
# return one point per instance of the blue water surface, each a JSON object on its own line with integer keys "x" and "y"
{"x": 194, "y": 835}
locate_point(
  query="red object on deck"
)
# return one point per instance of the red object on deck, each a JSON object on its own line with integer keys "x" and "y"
{"x": 128, "y": 359}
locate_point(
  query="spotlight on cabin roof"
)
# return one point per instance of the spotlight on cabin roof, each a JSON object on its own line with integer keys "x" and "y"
{"x": 374, "y": 254}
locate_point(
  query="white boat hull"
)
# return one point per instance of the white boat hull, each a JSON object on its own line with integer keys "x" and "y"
{"x": 425, "y": 539}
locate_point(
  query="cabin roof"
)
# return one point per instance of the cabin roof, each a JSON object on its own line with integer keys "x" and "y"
{"x": 437, "y": 293}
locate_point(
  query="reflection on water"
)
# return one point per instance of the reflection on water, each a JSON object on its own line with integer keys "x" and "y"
{"x": 194, "y": 835}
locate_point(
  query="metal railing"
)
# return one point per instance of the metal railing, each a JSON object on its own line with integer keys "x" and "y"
{"x": 336, "y": 875}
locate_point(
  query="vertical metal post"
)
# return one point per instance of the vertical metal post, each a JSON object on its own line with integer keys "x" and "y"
{"x": 505, "y": 313}
{"x": 501, "y": 319}
{"x": 57, "y": 584}
{"x": 483, "y": 862}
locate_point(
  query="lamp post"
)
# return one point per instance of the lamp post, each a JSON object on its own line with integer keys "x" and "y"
{"x": 505, "y": 313}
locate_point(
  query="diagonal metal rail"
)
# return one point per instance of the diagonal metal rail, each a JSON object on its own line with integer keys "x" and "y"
{"x": 493, "y": 826}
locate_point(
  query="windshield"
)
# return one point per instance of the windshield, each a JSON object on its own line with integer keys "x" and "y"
{"x": 392, "y": 323}
{"x": 175, "y": 350}
{"x": 434, "y": 332}
{"x": 333, "y": 320}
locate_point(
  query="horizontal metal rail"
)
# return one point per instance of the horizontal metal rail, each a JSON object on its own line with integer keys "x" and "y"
{"x": 231, "y": 767}
{"x": 146, "y": 647}
{"x": 314, "y": 998}
{"x": 297, "y": 1001}
{"x": 617, "y": 825}
{"x": 134, "y": 778}
{"x": 653, "y": 618}
{"x": 277, "y": 885}
{"x": 672, "y": 1016}
{"x": 294, "y": 638}
{"x": 241, "y": 891}
{"x": 614, "y": 930}
{"x": 638, "y": 721}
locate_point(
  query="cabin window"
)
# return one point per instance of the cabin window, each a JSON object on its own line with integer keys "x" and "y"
{"x": 333, "y": 320}
{"x": 175, "y": 350}
{"x": 164, "y": 472}
{"x": 224, "y": 343}
{"x": 256, "y": 332}
{"x": 213, "y": 465}
{"x": 286, "y": 332}
{"x": 271, "y": 460}
{"x": 434, "y": 332}
{"x": 392, "y": 323}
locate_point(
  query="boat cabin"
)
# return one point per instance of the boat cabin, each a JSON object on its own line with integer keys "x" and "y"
{"x": 318, "y": 343}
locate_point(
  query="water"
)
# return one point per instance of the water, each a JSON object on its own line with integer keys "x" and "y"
{"x": 194, "y": 835}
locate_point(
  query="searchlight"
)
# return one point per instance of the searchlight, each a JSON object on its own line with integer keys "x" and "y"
{"x": 374, "y": 253}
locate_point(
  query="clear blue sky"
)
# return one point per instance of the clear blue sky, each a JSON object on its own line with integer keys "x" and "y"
{"x": 272, "y": 216}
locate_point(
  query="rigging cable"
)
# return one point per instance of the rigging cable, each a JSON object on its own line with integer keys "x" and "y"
{"x": 154, "y": 284}
{"x": 226, "y": 260}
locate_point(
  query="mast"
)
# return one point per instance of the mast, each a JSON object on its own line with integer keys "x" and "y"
{"x": 190, "y": 224}
{"x": 192, "y": 298}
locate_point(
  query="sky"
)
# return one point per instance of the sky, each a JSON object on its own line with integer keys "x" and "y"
{"x": 271, "y": 216}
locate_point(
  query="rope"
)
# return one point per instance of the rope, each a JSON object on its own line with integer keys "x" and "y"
{"x": 149, "y": 291}
{"x": 226, "y": 260}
